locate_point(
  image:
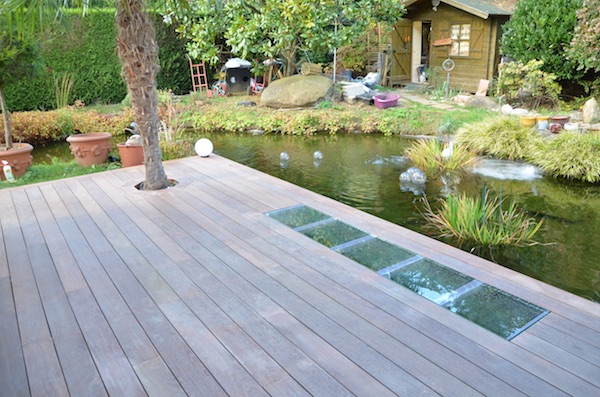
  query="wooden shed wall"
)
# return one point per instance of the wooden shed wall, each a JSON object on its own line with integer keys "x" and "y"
{"x": 483, "y": 55}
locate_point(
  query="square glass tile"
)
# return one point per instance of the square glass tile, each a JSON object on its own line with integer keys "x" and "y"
{"x": 429, "y": 279}
{"x": 496, "y": 310}
{"x": 376, "y": 254}
{"x": 333, "y": 233}
{"x": 298, "y": 216}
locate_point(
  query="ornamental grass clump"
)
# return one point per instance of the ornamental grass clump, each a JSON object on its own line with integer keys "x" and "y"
{"x": 572, "y": 156}
{"x": 434, "y": 157}
{"x": 482, "y": 222}
{"x": 502, "y": 137}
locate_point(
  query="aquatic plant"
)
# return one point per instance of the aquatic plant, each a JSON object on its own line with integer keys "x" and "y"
{"x": 435, "y": 157}
{"x": 502, "y": 137}
{"x": 571, "y": 156}
{"x": 482, "y": 221}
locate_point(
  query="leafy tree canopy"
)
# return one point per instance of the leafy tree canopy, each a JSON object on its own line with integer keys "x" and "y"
{"x": 542, "y": 30}
{"x": 276, "y": 28}
{"x": 585, "y": 45}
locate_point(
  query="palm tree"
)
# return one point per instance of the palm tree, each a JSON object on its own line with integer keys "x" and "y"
{"x": 139, "y": 53}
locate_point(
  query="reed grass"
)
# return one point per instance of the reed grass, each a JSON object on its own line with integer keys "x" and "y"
{"x": 572, "y": 155}
{"x": 427, "y": 155}
{"x": 502, "y": 137}
{"x": 62, "y": 89}
{"x": 482, "y": 222}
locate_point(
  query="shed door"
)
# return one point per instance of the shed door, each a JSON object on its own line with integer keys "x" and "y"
{"x": 401, "y": 48}
{"x": 417, "y": 41}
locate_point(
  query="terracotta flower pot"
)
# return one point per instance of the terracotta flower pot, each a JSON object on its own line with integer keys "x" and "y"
{"x": 19, "y": 158}
{"x": 131, "y": 154}
{"x": 90, "y": 149}
{"x": 562, "y": 120}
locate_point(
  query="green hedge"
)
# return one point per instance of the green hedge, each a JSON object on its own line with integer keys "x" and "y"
{"x": 85, "y": 49}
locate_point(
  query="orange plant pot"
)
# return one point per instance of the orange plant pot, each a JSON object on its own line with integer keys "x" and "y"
{"x": 19, "y": 158}
{"x": 90, "y": 149}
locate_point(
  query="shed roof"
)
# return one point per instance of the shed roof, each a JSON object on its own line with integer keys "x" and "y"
{"x": 480, "y": 8}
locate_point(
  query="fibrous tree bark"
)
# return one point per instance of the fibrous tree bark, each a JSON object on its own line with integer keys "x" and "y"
{"x": 139, "y": 53}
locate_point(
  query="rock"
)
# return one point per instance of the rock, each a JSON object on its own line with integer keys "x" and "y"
{"x": 297, "y": 91}
{"x": 591, "y": 111}
{"x": 519, "y": 112}
{"x": 506, "y": 109}
{"x": 484, "y": 102}
{"x": 462, "y": 98}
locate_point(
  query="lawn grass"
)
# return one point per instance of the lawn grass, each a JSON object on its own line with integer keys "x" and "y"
{"x": 56, "y": 170}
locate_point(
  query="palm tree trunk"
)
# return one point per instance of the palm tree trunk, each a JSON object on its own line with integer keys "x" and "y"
{"x": 139, "y": 54}
{"x": 6, "y": 116}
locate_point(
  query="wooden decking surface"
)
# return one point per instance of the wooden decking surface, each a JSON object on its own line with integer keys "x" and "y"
{"x": 105, "y": 290}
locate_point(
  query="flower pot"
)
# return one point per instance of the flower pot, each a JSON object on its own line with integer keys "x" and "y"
{"x": 527, "y": 121}
{"x": 90, "y": 149}
{"x": 562, "y": 120}
{"x": 542, "y": 122}
{"x": 19, "y": 158}
{"x": 131, "y": 155}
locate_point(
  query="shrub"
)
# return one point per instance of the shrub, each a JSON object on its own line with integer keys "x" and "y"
{"x": 527, "y": 84}
{"x": 542, "y": 29}
{"x": 42, "y": 127}
{"x": 482, "y": 222}
{"x": 502, "y": 137}
{"x": 85, "y": 49}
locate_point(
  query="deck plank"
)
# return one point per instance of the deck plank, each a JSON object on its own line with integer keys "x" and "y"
{"x": 453, "y": 364}
{"x": 195, "y": 291}
{"x": 13, "y": 376}
{"x": 43, "y": 367}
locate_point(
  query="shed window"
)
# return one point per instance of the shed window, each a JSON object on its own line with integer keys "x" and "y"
{"x": 461, "y": 35}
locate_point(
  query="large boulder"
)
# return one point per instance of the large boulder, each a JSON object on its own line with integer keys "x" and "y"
{"x": 591, "y": 111}
{"x": 297, "y": 91}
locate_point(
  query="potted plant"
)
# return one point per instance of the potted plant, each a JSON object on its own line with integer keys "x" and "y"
{"x": 19, "y": 57}
{"x": 132, "y": 151}
{"x": 91, "y": 148}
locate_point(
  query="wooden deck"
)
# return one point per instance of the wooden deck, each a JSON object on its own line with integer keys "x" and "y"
{"x": 105, "y": 290}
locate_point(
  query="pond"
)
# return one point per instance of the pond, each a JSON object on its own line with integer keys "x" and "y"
{"x": 363, "y": 172}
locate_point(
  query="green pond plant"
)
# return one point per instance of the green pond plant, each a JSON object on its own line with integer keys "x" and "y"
{"x": 502, "y": 137}
{"x": 482, "y": 222}
{"x": 435, "y": 157}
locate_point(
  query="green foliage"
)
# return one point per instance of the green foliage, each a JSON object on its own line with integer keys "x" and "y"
{"x": 19, "y": 57}
{"x": 572, "y": 156}
{"x": 84, "y": 47}
{"x": 482, "y": 222}
{"x": 502, "y": 137}
{"x": 526, "y": 84}
{"x": 569, "y": 155}
{"x": 585, "y": 45}
{"x": 62, "y": 89}
{"x": 542, "y": 29}
{"x": 38, "y": 127}
{"x": 175, "y": 150}
{"x": 276, "y": 28}
{"x": 429, "y": 156}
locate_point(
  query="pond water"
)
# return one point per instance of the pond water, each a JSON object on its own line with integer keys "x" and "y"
{"x": 363, "y": 171}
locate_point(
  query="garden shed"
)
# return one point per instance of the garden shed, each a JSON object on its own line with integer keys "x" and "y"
{"x": 466, "y": 31}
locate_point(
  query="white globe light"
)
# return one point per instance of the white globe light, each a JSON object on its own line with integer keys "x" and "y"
{"x": 204, "y": 147}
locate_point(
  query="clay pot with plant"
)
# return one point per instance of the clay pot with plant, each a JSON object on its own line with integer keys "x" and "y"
{"x": 19, "y": 58}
